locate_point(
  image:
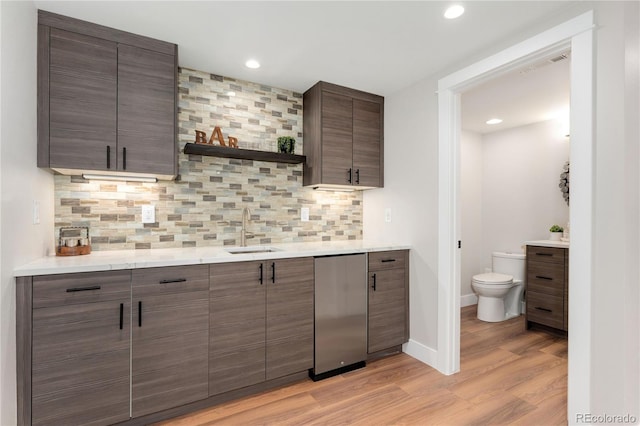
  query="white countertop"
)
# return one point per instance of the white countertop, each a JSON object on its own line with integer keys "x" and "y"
{"x": 132, "y": 259}
{"x": 548, "y": 243}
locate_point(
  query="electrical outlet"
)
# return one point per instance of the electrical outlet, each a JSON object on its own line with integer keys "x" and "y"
{"x": 304, "y": 214}
{"x": 36, "y": 212}
{"x": 148, "y": 213}
{"x": 387, "y": 215}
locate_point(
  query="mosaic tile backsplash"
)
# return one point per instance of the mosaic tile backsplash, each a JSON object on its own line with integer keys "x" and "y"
{"x": 203, "y": 207}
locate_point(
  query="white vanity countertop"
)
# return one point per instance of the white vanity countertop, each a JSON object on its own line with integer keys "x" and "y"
{"x": 548, "y": 243}
{"x": 149, "y": 258}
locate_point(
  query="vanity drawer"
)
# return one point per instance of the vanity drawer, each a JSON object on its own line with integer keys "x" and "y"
{"x": 383, "y": 260}
{"x": 546, "y": 254}
{"x": 546, "y": 278}
{"x": 545, "y": 309}
{"x": 168, "y": 280}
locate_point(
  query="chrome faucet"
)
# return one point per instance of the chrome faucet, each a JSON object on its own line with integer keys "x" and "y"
{"x": 246, "y": 217}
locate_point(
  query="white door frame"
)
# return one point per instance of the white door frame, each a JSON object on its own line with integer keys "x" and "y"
{"x": 576, "y": 34}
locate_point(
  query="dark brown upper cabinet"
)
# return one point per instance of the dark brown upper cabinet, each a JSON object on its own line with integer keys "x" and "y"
{"x": 106, "y": 100}
{"x": 343, "y": 137}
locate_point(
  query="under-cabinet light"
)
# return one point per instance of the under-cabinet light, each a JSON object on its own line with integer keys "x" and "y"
{"x": 333, "y": 189}
{"x": 120, "y": 178}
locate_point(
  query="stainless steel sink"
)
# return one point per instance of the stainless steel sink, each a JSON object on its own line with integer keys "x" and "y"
{"x": 248, "y": 250}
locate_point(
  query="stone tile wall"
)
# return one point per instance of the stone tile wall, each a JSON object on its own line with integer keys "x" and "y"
{"x": 204, "y": 206}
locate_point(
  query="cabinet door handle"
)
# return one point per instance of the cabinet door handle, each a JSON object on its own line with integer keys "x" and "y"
{"x": 108, "y": 157}
{"x": 273, "y": 272}
{"x": 140, "y": 313}
{"x": 176, "y": 280}
{"x": 544, "y": 278}
{"x": 74, "y": 289}
{"x": 121, "y": 315}
{"x": 124, "y": 158}
{"x": 387, "y": 260}
{"x": 543, "y": 309}
{"x": 349, "y": 176}
{"x": 544, "y": 254}
{"x": 358, "y": 176}
{"x": 374, "y": 282}
{"x": 261, "y": 273}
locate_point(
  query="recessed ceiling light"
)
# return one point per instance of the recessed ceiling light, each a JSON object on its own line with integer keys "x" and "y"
{"x": 252, "y": 63}
{"x": 494, "y": 121}
{"x": 454, "y": 11}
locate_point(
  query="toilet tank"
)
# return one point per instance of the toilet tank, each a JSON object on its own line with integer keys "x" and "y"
{"x": 509, "y": 263}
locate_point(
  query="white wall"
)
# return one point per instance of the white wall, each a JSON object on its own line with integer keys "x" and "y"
{"x": 411, "y": 127}
{"x": 471, "y": 213}
{"x": 21, "y": 181}
{"x": 520, "y": 175}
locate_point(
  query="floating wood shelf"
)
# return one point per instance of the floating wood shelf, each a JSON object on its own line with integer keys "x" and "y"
{"x": 243, "y": 154}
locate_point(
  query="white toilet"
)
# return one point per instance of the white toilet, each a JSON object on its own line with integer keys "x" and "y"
{"x": 500, "y": 292}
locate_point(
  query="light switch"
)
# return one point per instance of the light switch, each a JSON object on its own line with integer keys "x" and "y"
{"x": 387, "y": 215}
{"x": 304, "y": 214}
{"x": 148, "y": 213}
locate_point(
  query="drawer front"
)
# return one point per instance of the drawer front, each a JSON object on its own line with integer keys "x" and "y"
{"x": 545, "y": 309}
{"x": 383, "y": 260}
{"x": 546, "y": 254}
{"x": 86, "y": 287}
{"x": 546, "y": 278}
{"x": 170, "y": 279}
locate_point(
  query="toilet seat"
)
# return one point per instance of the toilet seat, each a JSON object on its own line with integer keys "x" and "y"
{"x": 493, "y": 278}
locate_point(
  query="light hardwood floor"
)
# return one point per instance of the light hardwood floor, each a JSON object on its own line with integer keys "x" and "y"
{"x": 508, "y": 376}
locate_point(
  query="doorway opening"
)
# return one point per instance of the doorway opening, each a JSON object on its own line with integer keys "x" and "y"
{"x": 575, "y": 35}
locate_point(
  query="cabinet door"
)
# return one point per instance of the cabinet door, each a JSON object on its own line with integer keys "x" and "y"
{"x": 170, "y": 337}
{"x": 80, "y": 352}
{"x": 387, "y": 309}
{"x": 237, "y": 325}
{"x": 82, "y": 101}
{"x": 289, "y": 316}
{"x": 146, "y": 111}
{"x": 337, "y": 139}
{"x": 367, "y": 125}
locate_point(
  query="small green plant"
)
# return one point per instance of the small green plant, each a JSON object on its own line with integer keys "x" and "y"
{"x": 286, "y": 144}
{"x": 556, "y": 228}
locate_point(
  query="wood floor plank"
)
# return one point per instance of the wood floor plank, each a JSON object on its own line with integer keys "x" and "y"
{"x": 508, "y": 376}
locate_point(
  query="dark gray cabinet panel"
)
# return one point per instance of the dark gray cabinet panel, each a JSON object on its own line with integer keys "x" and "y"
{"x": 367, "y": 154}
{"x": 388, "y": 324}
{"x": 547, "y": 291}
{"x": 82, "y": 101}
{"x": 105, "y": 104}
{"x": 343, "y": 137}
{"x": 289, "y": 317}
{"x": 146, "y": 111}
{"x": 80, "y": 352}
{"x": 237, "y": 325}
{"x": 261, "y": 325}
{"x": 170, "y": 336}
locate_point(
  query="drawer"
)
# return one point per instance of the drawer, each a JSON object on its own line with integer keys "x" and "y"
{"x": 170, "y": 279}
{"x": 86, "y": 287}
{"x": 545, "y": 309}
{"x": 546, "y": 254}
{"x": 546, "y": 278}
{"x": 383, "y": 260}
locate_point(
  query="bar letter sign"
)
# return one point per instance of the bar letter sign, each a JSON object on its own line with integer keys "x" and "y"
{"x": 201, "y": 137}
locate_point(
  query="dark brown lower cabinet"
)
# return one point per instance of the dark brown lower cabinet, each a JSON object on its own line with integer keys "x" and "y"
{"x": 388, "y": 324}
{"x": 80, "y": 348}
{"x": 261, "y": 322}
{"x": 169, "y": 337}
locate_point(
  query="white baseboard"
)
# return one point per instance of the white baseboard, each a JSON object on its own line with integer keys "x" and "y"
{"x": 421, "y": 352}
{"x": 468, "y": 300}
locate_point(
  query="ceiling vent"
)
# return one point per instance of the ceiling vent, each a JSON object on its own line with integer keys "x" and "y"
{"x": 559, "y": 58}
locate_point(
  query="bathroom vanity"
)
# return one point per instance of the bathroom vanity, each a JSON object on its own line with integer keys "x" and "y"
{"x": 547, "y": 288}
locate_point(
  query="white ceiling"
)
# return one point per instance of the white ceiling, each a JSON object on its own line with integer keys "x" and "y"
{"x": 375, "y": 46}
{"x": 538, "y": 92}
